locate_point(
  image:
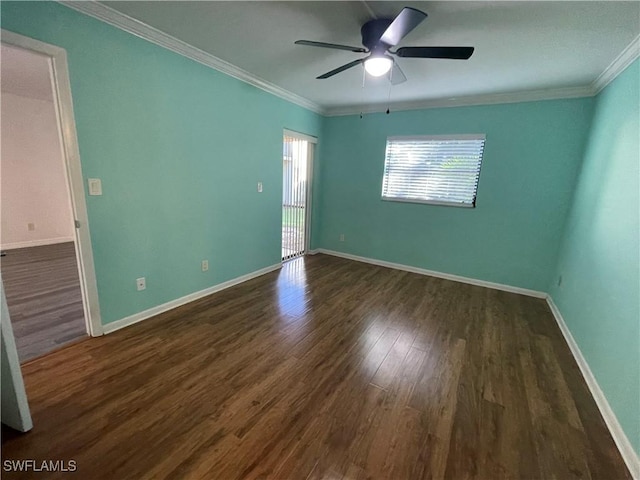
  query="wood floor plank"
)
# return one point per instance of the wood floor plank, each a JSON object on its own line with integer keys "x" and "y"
{"x": 328, "y": 368}
{"x": 43, "y": 293}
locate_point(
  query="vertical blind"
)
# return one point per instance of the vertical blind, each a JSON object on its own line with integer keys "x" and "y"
{"x": 442, "y": 170}
{"x": 294, "y": 196}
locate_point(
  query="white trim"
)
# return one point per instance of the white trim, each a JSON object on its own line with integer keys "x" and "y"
{"x": 309, "y": 199}
{"x": 441, "y": 203}
{"x": 313, "y": 141}
{"x": 444, "y": 138}
{"x": 37, "y": 243}
{"x": 300, "y": 136}
{"x": 152, "y": 312}
{"x": 622, "y": 61}
{"x": 626, "y": 450}
{"x": 315, "y": 251}
{"x": 432, "y": 273}
{"x": 15, "y": 405}
{"x": 71, "y": 154}
{"x": 153, "y": 35}
{"x": 630, "y": 53}
{"x": 470, "y": 100}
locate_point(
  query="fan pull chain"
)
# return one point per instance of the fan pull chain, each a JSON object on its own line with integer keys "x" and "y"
{"x": 364, "y": 77}
{"x": 390, "y": 84}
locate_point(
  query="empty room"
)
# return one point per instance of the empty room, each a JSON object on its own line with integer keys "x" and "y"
{"x": 300, "y": 239}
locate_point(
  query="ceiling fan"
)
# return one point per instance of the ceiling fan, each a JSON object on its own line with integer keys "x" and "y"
{"x": 379, "y": 35}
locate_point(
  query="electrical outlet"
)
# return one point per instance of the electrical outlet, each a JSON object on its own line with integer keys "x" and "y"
{"x": 259, "y": 187}
{"x": 342, "y": 237}
{"x": 141, "y": 283}
{"x": 31, "y": 227}
{"x": 205, "y": 265}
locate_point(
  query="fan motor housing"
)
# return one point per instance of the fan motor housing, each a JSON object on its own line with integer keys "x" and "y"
{"x": 372, "y": 31}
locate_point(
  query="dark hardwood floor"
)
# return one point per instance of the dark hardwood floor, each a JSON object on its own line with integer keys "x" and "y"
{"x": 328, "y": 368}
{"x": 42, "y": 287}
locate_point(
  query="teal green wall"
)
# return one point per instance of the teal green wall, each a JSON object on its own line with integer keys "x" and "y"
{"x": 532, "y": 155}
{"x": 599, "y": 296}
{"x": 179, "y": 147}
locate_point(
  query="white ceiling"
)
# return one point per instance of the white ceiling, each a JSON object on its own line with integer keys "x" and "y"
{"x": 25, "y": 73}
{"x": 520, "y": 46}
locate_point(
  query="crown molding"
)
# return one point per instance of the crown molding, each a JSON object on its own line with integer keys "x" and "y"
{"x": 153, "y": 35}
{"x": 471, "y": 100}
{"x": 622, "y": 61}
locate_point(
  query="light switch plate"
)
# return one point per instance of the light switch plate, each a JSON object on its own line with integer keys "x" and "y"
{"x": 95, "y": 186}
{"x": 259, "y": 187}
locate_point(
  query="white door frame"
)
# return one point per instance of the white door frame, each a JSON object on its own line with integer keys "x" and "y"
{"x": 15, "y": 407}
{"x": 313, "y": 141}
{"x": 71, "y": 154}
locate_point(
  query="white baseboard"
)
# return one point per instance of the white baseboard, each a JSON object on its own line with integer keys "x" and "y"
{"x": 626, "y": 449}
{"x": 432, "y": 273}
{"x": 36, "y": 243}
{"x": 314, "y": 251}
{"x": 152, "y": 312}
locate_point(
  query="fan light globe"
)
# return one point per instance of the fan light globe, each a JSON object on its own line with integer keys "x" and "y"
{"x": 377, "y": 66}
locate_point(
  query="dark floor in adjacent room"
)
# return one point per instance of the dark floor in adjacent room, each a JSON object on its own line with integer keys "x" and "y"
{"x": 328, "y": 368}
{"x": 43, "y": 293}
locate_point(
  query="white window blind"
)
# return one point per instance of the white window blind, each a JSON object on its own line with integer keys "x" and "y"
{"x": 442, "y": 170}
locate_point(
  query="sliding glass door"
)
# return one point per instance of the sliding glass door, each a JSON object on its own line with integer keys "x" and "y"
{"x": 296, "y": 169}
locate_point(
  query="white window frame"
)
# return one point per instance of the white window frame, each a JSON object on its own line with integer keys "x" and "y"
{"x": 427, "y": 138}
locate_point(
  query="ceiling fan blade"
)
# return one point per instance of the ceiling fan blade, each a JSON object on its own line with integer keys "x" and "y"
{"x": 408, "y": 19}
{"x": 397, "y": 75}
{"x": 331, "y": 45}
{"x": 455, "y": 53}
{"x": 341, "y": 69}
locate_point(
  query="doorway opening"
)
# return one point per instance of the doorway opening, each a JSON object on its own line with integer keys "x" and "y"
{"x": 297, "y": 165}
{"x": 47, "y": 263}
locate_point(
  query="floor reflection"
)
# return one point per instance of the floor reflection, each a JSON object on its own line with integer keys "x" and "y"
{"x": 292, "y": 290}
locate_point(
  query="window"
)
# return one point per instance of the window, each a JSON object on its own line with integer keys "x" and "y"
{"x": 442, "y": 170}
